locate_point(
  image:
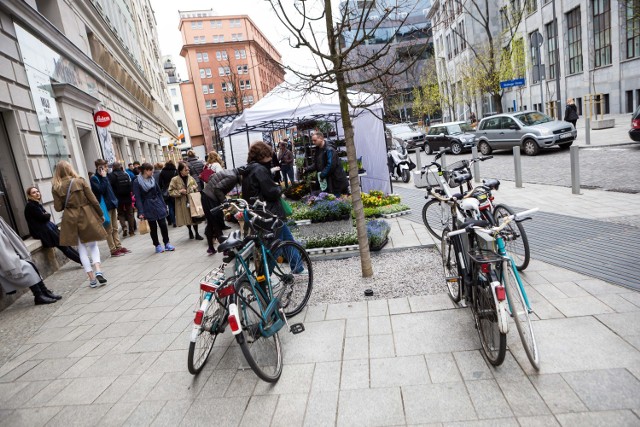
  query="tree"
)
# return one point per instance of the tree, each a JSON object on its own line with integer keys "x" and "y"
{"x": 342, "y": 64}
{"x": 427, "y": 98}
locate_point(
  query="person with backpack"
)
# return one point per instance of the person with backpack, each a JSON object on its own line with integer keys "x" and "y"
{"x": 195, "y": 167}
{"x": 213, "y": 195}
{"x": 122, "y": 186}
{"x": 102, "y": 189}
{"x": 331, "y": 174}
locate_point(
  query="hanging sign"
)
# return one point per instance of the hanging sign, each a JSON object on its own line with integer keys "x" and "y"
{"x": 102, "y": 118}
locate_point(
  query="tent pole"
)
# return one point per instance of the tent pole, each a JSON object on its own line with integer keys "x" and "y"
{"x": 233, "y": 162}
{"x": 247, "y": 128}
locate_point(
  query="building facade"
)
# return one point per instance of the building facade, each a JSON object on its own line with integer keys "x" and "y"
{"x": 593, "y": 51}
{"x": 61, "y": 62}
{"x": 177, "y": 108}
{"x": 230, "y": 66}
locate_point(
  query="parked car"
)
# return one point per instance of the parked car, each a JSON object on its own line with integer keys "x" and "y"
{"x": 411, "y": 136}
{"x": 457, "y": 136}
{"x": 634, "y": 132}
{"x": 532, "y": 130}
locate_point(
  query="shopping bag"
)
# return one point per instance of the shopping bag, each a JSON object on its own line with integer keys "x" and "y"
{"x": 105, "y": 213}
{"x": 143, "y": 226}
{"x": 195, "y": 206}
{"x": 286, "y": 207}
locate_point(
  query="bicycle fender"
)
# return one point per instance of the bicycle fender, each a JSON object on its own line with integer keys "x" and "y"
{"x": 501, "y": 307}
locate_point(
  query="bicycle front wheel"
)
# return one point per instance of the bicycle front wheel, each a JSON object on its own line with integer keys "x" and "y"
{"x": 450, "y": 266}
{"x": 520, "y": 314}
{"x": 494, "y": 342}
{"x": 205, "y": 335}
{"x": 264, "y": 355}
{"x": 292, "y": 277}
{"x": 515, "y": 239}
{"x": 436, "y": 215}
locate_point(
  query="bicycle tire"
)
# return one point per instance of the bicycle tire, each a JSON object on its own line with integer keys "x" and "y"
{"x": 520, "y": 314}
{"x": 264, "y": 355}
{"x": 450, "y": 266}
{"x": 436, "y": 215}
{"x": 518, "y": 247}
{"x": 485, "y": 313}
{"x": 200, "y": 349}
{"x": 292, "y": 282}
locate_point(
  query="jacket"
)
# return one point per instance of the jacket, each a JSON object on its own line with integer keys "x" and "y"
{"x": 257, "y": 182}
{"x": 195, "y": 168}
{"x": 571, "y": 113}
{"x": 221, "y": 183}
{"x": 166, "y": 175}
{"x": 183, "y": 213}
{"x": 16, "y": 271}
{"x": 101, "y": 187}
{"x": 286, "y": 157}
{"x": 329, "y": 167}
{"x": 122, "y": 191}
{"x": 40, "y": 225}
{"x": 150, "y": 204}
{"x": 82, "y": 217}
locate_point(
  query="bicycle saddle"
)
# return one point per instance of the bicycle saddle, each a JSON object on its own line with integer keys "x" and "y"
{"x": 492, "y": 183}
{"x": 232, "y": 242}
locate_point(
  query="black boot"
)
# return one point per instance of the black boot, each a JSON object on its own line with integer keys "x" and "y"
{"x": 48, "y": 292}
{"x": 39, "y": 297}
{"x": 190, "y": 232}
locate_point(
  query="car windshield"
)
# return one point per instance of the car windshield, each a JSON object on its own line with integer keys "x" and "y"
{"x": 459, "y": 128}
{"x": 401, "y": 129}
{"x": 533, "y": 118}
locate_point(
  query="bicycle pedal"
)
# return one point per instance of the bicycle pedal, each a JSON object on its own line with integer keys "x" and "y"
{"x": 296, "y": 328}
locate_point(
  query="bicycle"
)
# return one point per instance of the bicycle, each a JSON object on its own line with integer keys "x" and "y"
{"x": 244, "y": 297}
{"x": 491, "y": 284}
{"x": 436, "y": 215}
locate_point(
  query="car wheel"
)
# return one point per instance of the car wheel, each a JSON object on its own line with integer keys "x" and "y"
{"x": 530, "y": 147}
{"x": 485, "y": 148}
{"x": 427, "y": 148}
{"x": 456, "y": 148}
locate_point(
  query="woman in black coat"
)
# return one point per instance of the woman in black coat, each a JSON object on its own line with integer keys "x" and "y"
{"x": 166, "y": 175}
{"x": 571, "y": 112}
{"x": 41, "y": 227}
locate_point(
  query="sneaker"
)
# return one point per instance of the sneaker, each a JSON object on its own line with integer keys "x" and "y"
{"x": 93, "y": 284}
{"x": 159, "y": 249}
{"x": 116, "y": 253}
{"x": 124, "y": 250}
{"x": 169, "y": 247}
{"x": 211, "y": 251}
{"x": 100, "y": 278}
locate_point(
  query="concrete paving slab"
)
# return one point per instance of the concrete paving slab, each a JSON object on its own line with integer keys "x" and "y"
{"x": 623, "y": 324}
{"x": 381, "y": 346}
{"x": 296, "y": 378}
{"x": 290, "y": 410}
{"x": 355, "y": 374}
{"x": 172, "y": 413}
{"x": 357, "y": 327}
{"x": 380, "y": 325}
{"x": 320, "y": 342}
{"x": 326, "y": 377}
{"x": 557, "y": 394}
{"x": 538, "y": 421}
{"x": 371, "y": 407}
{"x": 442, "y": 368}
{"x": 356, "y": 348}
{"x": 581, "y": 306}
{"x": 523, "y": 398}
{"x": 472, "y": 365}
{"x": 605, "y": 389}
{"x": 488, "y": 400}
{"x": 604, "y": 418}
{"x": 445, "y": 402}
{"x": 259, "y": 411}
{"x": 398, "y": 371}
{"x": 81, "y": 391}
{"x": 322, "y": 409}
{"x": 144, "y": 413}
{"x": 30, "y": 417}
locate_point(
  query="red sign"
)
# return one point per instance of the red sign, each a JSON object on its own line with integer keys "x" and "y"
{"x": 102, "y": 118}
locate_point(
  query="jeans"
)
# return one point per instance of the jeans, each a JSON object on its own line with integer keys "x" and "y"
{"x": 171, "y": 203}
{"x": 295, "y": 262}
{"x": 287, "y": 174}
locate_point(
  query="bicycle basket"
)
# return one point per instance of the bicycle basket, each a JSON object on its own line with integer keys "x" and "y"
{"x": 457, "y": 173}
{"x": 431, "y": 176}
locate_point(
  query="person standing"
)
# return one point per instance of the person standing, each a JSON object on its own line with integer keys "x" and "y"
{"x": 166, "y": 175}
{"x": 82, "y": 219}
{"x": 17, "y": 269}
{"x": 213, "y": 195}
{"x": 571, "y": 112}
{"x": 286, "y": 158}
{"x": 41, "y": 227}
{"x": 180, "y": 188}
{"x": 122, "y": 187}
{"x": 195, "y": 167}
{"x": 101, "y": 187}
{"x": 157, "y": 168}
{"x": 151, "y": 206}
{"x": 329, "y": 167}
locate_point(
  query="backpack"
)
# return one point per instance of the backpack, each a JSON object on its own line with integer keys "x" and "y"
{"x": 123, "y": 184}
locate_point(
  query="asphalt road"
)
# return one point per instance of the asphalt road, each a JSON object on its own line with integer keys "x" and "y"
{"x": 612, "y": 168}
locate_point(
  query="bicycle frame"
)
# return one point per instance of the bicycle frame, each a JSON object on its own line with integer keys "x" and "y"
{"x": 511, "y": 264}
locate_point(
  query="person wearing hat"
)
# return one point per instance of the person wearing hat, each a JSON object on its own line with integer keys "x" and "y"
{"x": 286, "y": 158}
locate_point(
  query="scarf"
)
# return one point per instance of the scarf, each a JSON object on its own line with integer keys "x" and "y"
{"x": 146, "y": 184}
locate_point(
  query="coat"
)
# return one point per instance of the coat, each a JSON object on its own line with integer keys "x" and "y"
{"x": 16, "y": 271}
{"x": 101, "y": 187}
{"x": 329, "y": 167}
{"x": 82, "y": 217}
{"x": 150, "y": 204}
{"x": 195, "y": 168}
{"x": 257, "y": 182}
{"x": 40, "y": 225}
{"x": 183, "y": 214}
{"x": 221, "y": 183}
{"x": 571, "y": 113}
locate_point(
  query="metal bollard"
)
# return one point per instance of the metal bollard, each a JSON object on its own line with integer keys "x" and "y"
{"x": 587, "y": 129}
{"x": 418, "y": 159}
{"x": 476, "y": 165}
{"x": 575, "y": 169}
{"x": 443, "y": 160}
{"x": 517, "y": 166}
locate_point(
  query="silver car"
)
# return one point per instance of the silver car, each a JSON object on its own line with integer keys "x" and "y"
{"x": 531, "y": 130}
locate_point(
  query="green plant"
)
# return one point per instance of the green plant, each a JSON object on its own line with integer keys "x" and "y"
{"x": 377, "y": 231}
{"x": 399, "y": 207}
{"x": 330, "y": 241}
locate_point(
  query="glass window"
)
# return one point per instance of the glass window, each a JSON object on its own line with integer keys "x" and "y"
{"x": 247, "y": 84}
{"x": 205, "y": 57}
{"x": 552, "y": 45}
{"x": 531, "y": 6}
{"x": 227, "y": 71}
{"x": 224, "y": 55}
{"x": 633, "y": 28}
{"x": 533, "y": 52}
{"x": 173, "y": 91}
{"x": 205, "y": 89}
{"x": 202, "y": 73}
{"x": 199, "y": 57}
{"x": 179, "y": 122}
{"x": 601, "y": 32}
{"x": 221, "y": 71}
{"x": 214, "y": 103}
{"x": 208, "y": 70}
{"x": 176, "y": 108}
{"x": 574, "y": 41}
{"x": 211, "y": 90}
{"x": 216, "y": 24}
{"x": 462, "y": 36}
{"x": 224, "y": 86}
{"x": 207, "y": 104}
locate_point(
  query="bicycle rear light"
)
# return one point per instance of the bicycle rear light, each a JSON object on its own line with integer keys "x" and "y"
{"x": 198, "y": 319}
{"x": 234, "y": 319}
{"x": 226, "y": 291}
{"x": 500, "y": 293}
{"x": 485, "y": 268}
{"x": 207, "y": 287}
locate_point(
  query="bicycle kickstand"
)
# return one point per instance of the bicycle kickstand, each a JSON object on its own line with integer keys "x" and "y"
{"x": 294, "y": 328}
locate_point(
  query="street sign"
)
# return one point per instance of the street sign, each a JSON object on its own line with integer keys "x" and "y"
{"x": 511, "y": 83}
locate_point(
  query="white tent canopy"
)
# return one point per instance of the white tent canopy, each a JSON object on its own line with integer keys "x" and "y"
{"x": 284, "y": 107}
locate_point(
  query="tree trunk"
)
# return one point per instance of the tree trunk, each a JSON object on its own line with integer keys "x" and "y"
{"x": 497, "y": 102}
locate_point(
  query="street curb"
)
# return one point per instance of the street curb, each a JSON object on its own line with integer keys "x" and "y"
{"x": 619, "y": 144}
{"x": 350, "y": 254}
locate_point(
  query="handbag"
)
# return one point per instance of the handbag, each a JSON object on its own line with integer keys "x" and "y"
{"x": 105, "y": 213}
{"x": 143, "y": 226}
{"x": 288, "y": 210}
{"x": 195, "y": 206}
{"x": 206, "y": 173}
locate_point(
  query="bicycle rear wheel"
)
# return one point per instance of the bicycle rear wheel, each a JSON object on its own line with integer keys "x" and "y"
{"x": 450, "y": 266}
{"x": 515, "y": 241}
{"x": 206, "y": 334}
{"x": 494, "y": 342}
{"x": 264, "y": 355}
{"x": 292, "y": 277}
{"x": 520, "y": 314}
{"x": 436, "y": 215}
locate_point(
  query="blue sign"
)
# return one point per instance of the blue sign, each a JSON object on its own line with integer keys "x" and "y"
{"x": 511, "y": 83}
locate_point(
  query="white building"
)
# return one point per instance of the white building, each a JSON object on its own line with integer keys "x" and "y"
{"x": 599, "y": 50}
{"x": 60, "y": 62}
{"x": 177, "y": 105}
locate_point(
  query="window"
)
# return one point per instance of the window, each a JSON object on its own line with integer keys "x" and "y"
{"x": 207, "y": 104}
{"x": 216, "y": 24}
{"x": 211, "y": 90}
{"x": 237, "y": 37}
{"x": 531, "y": 6}
{"x": 552, "y": 45}
{"x": 224, "y": 87}
{"x": 221, "y": 71}
{"x": 533, "y": 51}
{"x": 574, "y": 41}
{"x": 250, "y": 98}
{"x": 205, "y": 89}
{"x": 176, "y": 108}
{"x": 224, "y": 55}
{"x": 240, "y": 53}
{"x": 179, "y": 122}
{"x": 199, "y": 57}
{"x": 602, "y": 32}
{"x": 208, "y": 70}
{"x": 235, "y": 23}
{"x": 196, "y": 25}
{"x": 449, "y": 50}
{"x": 202, "y": 73}
{"x": 205, "y": 57}
{"x": 173, "y": 91}
{"x": 227, "y": 102}
{"x": 218, "y": 38}
{"x": 214, "y": 103}
{"x": 504, "y": 18}
{"x": 633, "y": 28}
{"x": 462, "y": 36}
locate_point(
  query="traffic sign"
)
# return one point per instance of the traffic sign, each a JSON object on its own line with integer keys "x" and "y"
{"x": 511, "y": 83}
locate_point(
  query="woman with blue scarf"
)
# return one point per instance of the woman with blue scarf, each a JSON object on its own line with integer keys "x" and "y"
{"x": 151, "y": 206}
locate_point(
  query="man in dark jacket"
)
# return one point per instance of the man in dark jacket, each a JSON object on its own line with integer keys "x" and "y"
{"x": 195, "y": 166}
{"x": 329, "y": 167}
{"x": 101, "y": 188}
{"x": 121, "y": 185}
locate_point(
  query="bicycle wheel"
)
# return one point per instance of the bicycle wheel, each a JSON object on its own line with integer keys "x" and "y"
{"x": 520, "y": 314}
{"x": 450, "y": 266}
{"x": 264, "y": 355}
{"x": 206, "y": 335}
{"x": 292, "y": 277}
{"x": 436, "y": 215}
{"x": 515, "y": 240}
{"x": 485, "y": 312}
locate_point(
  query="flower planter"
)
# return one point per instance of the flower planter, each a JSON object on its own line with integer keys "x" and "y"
{"x": 395, "y": 214}
{"x": 307, "y": 229}
{"x": 382, "y": 244}
{"x": 332, "y": 250}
